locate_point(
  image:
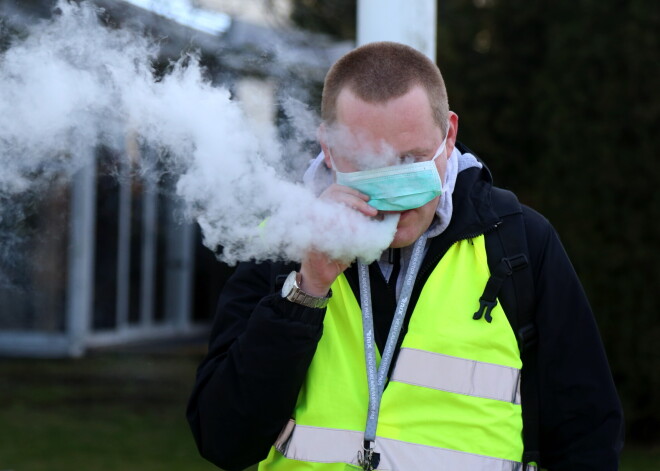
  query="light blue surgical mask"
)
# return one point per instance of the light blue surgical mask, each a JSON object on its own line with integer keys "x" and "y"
{"x": 397, "y": 187}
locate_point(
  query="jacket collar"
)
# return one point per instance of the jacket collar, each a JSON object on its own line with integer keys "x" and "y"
{"x": 473, "y": 213}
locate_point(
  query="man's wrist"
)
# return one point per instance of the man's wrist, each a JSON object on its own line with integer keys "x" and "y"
{"x": 294, "y": 292}
{"x": 307, "y": 287}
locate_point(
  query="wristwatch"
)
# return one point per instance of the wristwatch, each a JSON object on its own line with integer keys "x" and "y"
{"x": 291, "y": 291}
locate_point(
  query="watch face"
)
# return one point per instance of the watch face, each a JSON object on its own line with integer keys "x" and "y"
{"x": 292, "y": 292}
{"x": 289, "y": 284}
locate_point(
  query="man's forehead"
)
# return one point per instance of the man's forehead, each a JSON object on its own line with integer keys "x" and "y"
{"x": 408, "y": 114}
{"x": 348, "y": 98}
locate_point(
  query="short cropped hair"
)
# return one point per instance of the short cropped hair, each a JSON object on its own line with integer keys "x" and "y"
{"x": 380, "y": 71}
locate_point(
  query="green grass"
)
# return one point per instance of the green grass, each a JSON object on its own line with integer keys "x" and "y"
{"x": 101, "y": 413}
{"x": 119, "y": 411}
{"x": 639, "y": 458}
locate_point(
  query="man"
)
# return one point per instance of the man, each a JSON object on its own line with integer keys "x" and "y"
{"x": 385, "y": 367}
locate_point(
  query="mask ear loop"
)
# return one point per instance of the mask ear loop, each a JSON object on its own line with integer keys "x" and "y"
{"x": 332, "y": 161}
{"x": 440, "y": 150}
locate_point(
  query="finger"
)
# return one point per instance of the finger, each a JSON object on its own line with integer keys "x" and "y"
{"x": 336, "y": 190}
{"x": 364, "y": 208}
{"x": 351, "y": 198}
{"x": 354, "y": 192}
{"x": 357, "y": 204}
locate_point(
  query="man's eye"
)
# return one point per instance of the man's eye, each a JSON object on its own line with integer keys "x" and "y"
{"x": 412, "y": 158}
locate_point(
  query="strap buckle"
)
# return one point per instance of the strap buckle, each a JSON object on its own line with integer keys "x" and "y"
{"x": 485, "y": 308}
{"x": 515, "y": 263}
{"x": 368, "y": 459}
{"x": 488, "y": 300}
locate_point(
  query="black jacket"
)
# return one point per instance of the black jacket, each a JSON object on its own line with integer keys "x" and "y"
{"x": 261, "y": 346}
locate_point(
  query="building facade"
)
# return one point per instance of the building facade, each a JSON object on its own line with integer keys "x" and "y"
{"x": 102, "y": 258}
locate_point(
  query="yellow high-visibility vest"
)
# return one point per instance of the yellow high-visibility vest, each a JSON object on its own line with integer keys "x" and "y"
{"x": 452, "y": 402}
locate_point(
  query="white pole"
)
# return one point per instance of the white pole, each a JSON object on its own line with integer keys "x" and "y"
{"x": 180, "y": 265}
{"x": 411, "y": 22}
{"x": 82, "y": 236}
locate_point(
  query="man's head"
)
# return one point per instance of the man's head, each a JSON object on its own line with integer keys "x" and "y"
{"x": 380, "y": 71}
{"x": 390, "y": 100}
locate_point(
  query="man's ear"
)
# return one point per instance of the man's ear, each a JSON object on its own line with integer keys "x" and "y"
{"x": 452, "y": 133}
{"x": 322, "y": 136}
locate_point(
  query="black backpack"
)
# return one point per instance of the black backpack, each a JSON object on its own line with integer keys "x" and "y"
{"x": 511, "y": 282}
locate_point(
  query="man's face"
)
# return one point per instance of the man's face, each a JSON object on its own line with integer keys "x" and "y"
{"x": 381, "y": 134}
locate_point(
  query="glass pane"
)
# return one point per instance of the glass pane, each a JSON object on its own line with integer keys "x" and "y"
{"x": 135, "y": 274}
{"x": 33, "y": 259}
{"x": 104, "y": 315}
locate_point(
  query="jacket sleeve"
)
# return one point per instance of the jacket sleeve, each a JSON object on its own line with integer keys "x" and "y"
{"x": 580, "y": 412}
{"x": 246, "y": 388}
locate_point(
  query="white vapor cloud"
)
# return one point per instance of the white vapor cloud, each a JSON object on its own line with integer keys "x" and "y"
{"x": 73, "y": 84}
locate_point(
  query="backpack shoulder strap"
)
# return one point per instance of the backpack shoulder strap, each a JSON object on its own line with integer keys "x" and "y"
{"x": 512, "y": 282}
{"x": 508, "y": 253}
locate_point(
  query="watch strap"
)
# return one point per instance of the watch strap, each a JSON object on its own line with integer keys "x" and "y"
{"x": 298, "y": 296}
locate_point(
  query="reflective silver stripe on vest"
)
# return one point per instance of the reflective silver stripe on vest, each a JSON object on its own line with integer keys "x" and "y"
{"x": 457, "y": 375}
{"x": 324, "y": 445}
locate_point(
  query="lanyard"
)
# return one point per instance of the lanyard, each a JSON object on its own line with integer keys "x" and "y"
{"x": 376, "y": 379}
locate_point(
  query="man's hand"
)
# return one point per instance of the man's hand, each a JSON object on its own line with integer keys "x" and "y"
{"x": 350, "y": 197}
{"x": 318, "y": 270}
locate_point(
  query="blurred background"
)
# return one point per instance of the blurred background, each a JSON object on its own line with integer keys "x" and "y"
{"x": 104, "y": 315}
